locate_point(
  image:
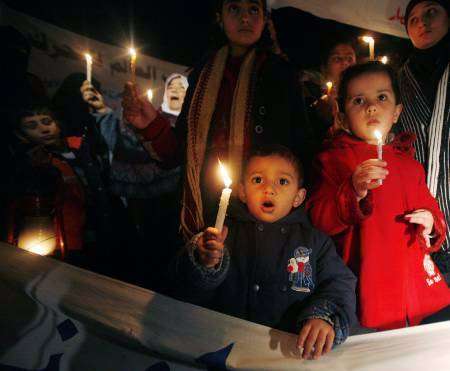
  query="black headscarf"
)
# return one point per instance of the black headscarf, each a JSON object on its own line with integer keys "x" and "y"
{"x": 428, "y": 66}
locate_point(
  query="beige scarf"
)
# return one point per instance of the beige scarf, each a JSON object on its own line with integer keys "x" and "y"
{"x": 200, "y": 114}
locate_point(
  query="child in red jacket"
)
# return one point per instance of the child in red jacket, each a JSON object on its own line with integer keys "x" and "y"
{"x": 377, "y": 206}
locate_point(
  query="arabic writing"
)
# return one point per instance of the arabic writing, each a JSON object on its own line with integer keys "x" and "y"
{"x": 398, "y": 16}
{"x": 54, "y": 50}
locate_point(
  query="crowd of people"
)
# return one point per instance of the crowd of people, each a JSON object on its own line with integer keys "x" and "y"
{"x": 332, "y": 229}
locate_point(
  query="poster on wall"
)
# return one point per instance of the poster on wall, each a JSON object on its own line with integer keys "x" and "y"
{"x": 57, "y": 53}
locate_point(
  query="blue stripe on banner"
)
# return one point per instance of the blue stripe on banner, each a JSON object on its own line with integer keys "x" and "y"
{"x": 216, "y": 361}
{"x": 160, "y": 366}
{"x": 67, "y": 330}
{"x": 53, "y": 365}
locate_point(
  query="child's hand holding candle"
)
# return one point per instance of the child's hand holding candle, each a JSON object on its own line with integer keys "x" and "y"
{"x": 210, "y": 246}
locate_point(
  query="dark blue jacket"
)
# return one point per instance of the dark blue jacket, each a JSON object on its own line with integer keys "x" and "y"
{"x": 253, "y": 281}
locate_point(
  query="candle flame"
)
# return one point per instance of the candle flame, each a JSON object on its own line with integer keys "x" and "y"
{"x": 224, "y": 173}
{"x": 368, "y": 39}
{"x": 384, "y": 59}
{"x": 150, "y": 95}
{"x": 88, "y": 58}
{"x": 133, "y": 53}
{"x": 378, "y": 135}
{"x": 329, "y": 85}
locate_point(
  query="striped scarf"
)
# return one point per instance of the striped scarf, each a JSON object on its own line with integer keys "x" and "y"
{"x": 433, "y": 135}
{"x": 201, "y": 111}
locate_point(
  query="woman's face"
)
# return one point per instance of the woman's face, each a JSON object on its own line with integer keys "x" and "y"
{"x": 175, "y": 94}
{"x": 427, "y": 24}
{"x": 243, "y": 23}
{"x": 341, "y": 57}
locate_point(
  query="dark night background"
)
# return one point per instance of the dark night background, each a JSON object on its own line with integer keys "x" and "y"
{"x": 178, "y": 30}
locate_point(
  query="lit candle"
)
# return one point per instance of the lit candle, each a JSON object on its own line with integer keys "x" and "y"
{"x": 150, "y": 95}
{"x": 38, "y": 235}
{"x": 88, "y": 67}
{"x": 224, "y": 198}
{"x": 369, "y": 40}
{"x": 133, "y": 56}
{"x": 384, "y": 59}
{"x": 379, "y": 138}
{"x": 329, "y": 87}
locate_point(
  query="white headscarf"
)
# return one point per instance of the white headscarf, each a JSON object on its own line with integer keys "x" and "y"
{"x": 165, "y": 105}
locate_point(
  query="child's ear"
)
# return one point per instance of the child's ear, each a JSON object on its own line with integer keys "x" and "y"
{"x": 299, "y": 197}
{"x": 242, "y": 195}
{"x": 398, "y": 111}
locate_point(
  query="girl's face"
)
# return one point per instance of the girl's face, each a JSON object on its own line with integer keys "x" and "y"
{"x": 371, "y": 105}
{"x": 243, "y": 23}
{"x": 341, "y": 57}
{"x": 427, "y": 24}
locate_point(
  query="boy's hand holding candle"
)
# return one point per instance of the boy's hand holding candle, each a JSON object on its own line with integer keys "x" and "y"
{"x": 210, "y": 246}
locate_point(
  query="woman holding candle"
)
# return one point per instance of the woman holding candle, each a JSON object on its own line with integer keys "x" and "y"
{"x": 241, "y": 96}
{"x": 385, "y": 231}
{"x": 424, "y": 82}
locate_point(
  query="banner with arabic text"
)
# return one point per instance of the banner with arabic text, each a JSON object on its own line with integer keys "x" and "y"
{"x": 385, "y": 16}
{"x": 56, "y": 53}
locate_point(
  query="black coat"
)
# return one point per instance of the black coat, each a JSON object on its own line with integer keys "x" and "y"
{"x": 253, "y": 282}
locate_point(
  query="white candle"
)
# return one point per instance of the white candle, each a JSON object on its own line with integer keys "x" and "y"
{"x": 133, "y": 56}
{"x": 224, "y": 198}
{"x": 150, "y": 95}
{"x": 88, "y": 67}
{"x": 384, "y": 59}
{"x": 379, "y": 137}
{"x": 369, "y": 40}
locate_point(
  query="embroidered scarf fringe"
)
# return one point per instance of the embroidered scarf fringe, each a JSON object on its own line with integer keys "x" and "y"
{"x": 199, "y": 119}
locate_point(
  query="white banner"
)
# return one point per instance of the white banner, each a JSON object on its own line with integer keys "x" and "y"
{"x": 57, "y": 53}
{"x": 385, "y": 16}
{"x": 56, "y": 317}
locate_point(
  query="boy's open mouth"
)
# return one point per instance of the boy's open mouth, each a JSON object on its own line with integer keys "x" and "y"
{"x": 268, "y": 206}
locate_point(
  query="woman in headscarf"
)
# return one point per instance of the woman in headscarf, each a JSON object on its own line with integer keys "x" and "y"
{"x": 424, "y": 85}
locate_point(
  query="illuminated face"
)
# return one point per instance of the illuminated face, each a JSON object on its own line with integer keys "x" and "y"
{"x": 340, "y": 58}
{"x": 175, "y": 94}
{"x": 370, "y": 106}
{"x": 243, "y": 23}
{"x": 270, "y": 188}
{"x": 40, "y": 129}
{"x": 427, "y": 24}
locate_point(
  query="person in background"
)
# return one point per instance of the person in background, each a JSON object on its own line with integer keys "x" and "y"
{"x": 46, "y": 169}
{"x": 424, "y": 89}
{"x": 338, "y": 54}
{"x": 149, "y": 191}
{"x": 379, "y": 211}
{"x": 270, "y": 266}
{"x": 241, "y": 96}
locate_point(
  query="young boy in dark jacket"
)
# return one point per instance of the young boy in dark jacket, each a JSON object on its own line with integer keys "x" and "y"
{"x": 272, "y": 267}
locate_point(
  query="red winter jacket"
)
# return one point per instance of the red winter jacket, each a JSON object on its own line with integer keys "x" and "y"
{"x": 398, "y": 281}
